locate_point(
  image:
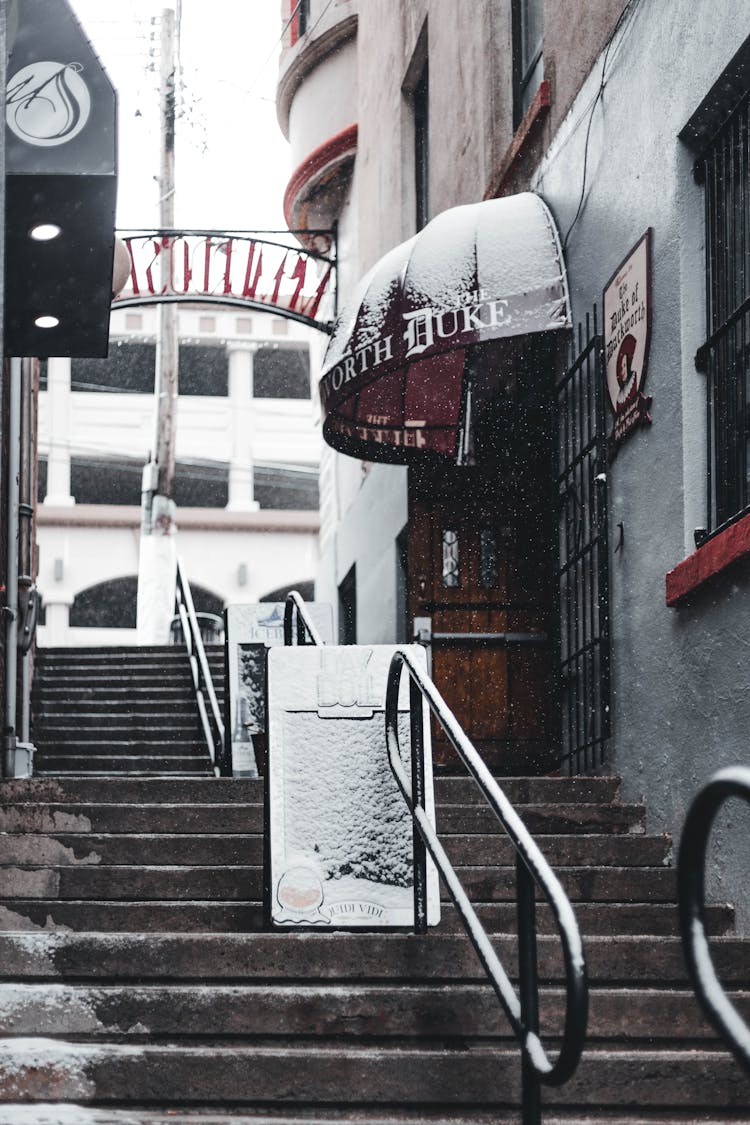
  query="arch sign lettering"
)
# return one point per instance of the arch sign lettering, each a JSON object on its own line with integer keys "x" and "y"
{"x": 232, "y": 269}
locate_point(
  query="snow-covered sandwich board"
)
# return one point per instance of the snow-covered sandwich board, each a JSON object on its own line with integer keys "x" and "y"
{"x": 340, "y": 832}
{"x": 251, "y": 629}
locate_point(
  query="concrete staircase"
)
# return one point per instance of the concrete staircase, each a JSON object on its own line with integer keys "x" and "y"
{"x": 139, "y": 986}
{"x": 104, "y": 711}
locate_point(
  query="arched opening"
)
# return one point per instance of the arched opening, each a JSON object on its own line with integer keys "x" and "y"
{"x": 305, "y": 589}
{"x": 112, "y": 604}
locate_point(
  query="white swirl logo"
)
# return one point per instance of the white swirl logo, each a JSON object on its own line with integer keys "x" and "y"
{"x": 47, "y": 103}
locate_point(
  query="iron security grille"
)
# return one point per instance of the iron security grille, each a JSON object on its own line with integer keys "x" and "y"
{"x": 723, "y": 168}
{"x": 583, "y": 574}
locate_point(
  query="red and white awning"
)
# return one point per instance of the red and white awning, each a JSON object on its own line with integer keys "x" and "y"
{"x": 393, "y": 374}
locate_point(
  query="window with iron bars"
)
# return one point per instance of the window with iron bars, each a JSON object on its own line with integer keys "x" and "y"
{"x": 722, "y": 169}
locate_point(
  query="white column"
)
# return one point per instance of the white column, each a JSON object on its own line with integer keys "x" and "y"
{"x": 57, "y": 614}
{"x": 241, "y": 428}
{"x": 59, "y": 414}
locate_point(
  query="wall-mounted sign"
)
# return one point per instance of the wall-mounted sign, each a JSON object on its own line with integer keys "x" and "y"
{"x": 60, "y": 171}
{"x": 250, "y": 631}
{"x": 47, "y": 103}
{"x": 339, "y": 829}
{"x": 230, "y": 269}
{"x": 627, "y": 335}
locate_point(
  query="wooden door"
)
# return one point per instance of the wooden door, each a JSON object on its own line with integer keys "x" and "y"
{"x": 480, "y": 568}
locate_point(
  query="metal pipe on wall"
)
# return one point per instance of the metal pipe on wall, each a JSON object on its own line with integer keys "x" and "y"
{"x": 3, "y": 56}
{"x": 27, "y": 591}
{"x": 11, "y": 577}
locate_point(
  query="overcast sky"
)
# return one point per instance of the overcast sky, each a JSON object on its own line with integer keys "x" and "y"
{"x": 232, "y": 162}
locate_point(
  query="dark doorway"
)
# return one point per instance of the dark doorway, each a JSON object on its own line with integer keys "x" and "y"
{"x": 348, "y": 609}
{"x": 481, "y": 563}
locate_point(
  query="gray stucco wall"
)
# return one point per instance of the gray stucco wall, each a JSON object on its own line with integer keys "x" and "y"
{"x": 681, "y": 698}
{"x": 367, "y": 538}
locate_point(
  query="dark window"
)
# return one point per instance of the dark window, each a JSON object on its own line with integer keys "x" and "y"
{"x": 281, "y": 373}
{"x": 129, "y": 367}
{"x": 43, "y": 374}
{"x": 348, "y": 609}
{"x": 113, "y": 604}
{"x": 528, "y": 62}
{"x": 292, "y": 489}
{"x": 402, "y": 587}
{"x": 41, "y": 479}
{"x": 203, "y": 370}
{"x": 305, "y": 589}
{"x": 303, "y": 16}
{"x": 108, "y": 605}
{"x": 200, "y": 486}
{"x": 723, "y": 169}
{"x": 422, "y": 147}
{"x": 101, "y": 481}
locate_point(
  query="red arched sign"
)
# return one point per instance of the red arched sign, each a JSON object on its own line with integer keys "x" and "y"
{"x": 241, "y": 269}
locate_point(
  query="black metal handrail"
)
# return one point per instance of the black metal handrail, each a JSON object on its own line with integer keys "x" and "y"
{"x": 295, "y": 611}
{"x": 691, "y": 869}
{"x": 203, "y": 686}
{"x": 531, "y": 868}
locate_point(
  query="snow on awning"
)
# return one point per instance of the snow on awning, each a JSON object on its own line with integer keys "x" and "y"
{"x": 393, "y": 374}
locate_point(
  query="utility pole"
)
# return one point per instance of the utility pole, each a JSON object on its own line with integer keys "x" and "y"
{"x": 158, "y": 552}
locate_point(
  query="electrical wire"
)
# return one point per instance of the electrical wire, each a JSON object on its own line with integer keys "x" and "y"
{"x": 622, "y": 19}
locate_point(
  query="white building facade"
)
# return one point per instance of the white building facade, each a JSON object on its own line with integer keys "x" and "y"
{"x": 247, "y": 455}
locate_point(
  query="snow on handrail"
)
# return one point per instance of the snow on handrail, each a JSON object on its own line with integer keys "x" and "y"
{"x": 531, "y": 868}
{"x": 691, "y": 868}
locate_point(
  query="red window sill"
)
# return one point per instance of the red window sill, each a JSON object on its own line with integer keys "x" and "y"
{"x": 533, "y": 118}
{"x": 729, "y": 546}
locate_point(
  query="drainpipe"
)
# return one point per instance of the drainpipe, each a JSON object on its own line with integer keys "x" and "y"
{"x": 11, "y": 581}
{"x": 28, "y": 605}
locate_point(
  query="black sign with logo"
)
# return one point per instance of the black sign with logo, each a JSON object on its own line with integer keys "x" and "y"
{"x": 61, "y": 185}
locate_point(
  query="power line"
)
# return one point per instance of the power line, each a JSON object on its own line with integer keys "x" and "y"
{"x": 624, "y": 16}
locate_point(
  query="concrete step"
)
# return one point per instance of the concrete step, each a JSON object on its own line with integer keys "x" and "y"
{"x": 544, "y": 819}
{"x": 595, "y": 849}
{"x": 87, "y": 848}
{"x": 162, "y": 691}
{"x": 119, "y": 848}
{"x": 105, "y": 680}
{"x": 52, "y": 816}
{"x": 147, "y": 882}
{"x": 64, "y": 711}
{"x": 361, "y": 1012}
{"x": 265, "y": 957}
{"x": 85, "y": 727}
{"x": 285, "y": 1073}
{"x": 101, "y": 743}
{"x": 99, "y": 652}
{"x": 190, "y": 759}
{"x": 56, "y": 1114}
{"x": 221, "y": 791}
{"x": 236, "y": 915}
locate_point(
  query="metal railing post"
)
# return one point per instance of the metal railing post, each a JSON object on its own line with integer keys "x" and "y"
{"x": 418, "y": 797}
{"x": 528, "y": 978}
{"x": 691, "y": 866}
{"x": 200, "y": 672}
{"x": 294, "y": 610}
{"x": 533, "y": 872}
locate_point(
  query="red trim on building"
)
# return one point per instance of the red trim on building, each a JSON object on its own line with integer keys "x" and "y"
{"x": 331, "y": 152}
{"x": 293, "y": 24}
{"x": 710, "y": 559}
{"x": 533, "y": 118}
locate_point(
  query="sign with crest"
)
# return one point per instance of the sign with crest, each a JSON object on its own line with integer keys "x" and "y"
{"x": 627, "y": 335}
